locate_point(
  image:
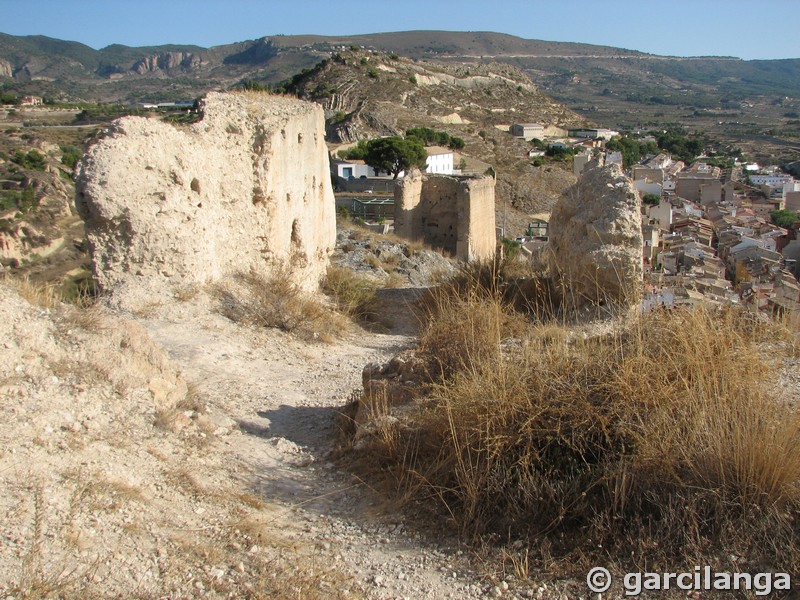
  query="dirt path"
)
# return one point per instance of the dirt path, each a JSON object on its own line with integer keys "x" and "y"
{"x": 274, "y": 399}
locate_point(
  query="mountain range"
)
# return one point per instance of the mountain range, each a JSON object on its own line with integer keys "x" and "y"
{"x": 753, "y": 105}
{"x": 570, "y": 72}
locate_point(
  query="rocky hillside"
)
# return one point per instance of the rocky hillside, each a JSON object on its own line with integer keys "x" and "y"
{"x": 568, "y": 70}
{"x": 40, "y": 234}
{"x": 367, "y": 94}
{"x": 750, "y": 103}
{"x": 70, "y": 70}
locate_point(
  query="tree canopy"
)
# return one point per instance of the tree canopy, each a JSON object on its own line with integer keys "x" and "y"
{"x": 632, "y": 149}
{"x": 430, "y": 136}
{"x": 681, "y": 147}
{"x": 784, "y": 218}
{"x": 395, "y": 154}
{"x": 652, "y": 199}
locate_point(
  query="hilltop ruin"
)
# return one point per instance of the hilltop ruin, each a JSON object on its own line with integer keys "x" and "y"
{"x": 455, "y": 214}
{"x": 595, "y": 245}
{"x": 247, "y": 187}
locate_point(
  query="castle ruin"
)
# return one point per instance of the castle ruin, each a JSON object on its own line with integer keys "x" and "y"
{"x": 454, "y": 214}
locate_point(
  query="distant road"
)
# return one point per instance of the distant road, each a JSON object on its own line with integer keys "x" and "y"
{"x": 636, "y": 56}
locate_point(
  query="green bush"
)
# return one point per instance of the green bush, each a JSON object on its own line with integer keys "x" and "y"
{"x": 33, "y": 160}
{"x": 651, "y": 199}
{"x": 23, "y": 200}
{"x": 784, "y": 217}
{"x": 70, "y": 156}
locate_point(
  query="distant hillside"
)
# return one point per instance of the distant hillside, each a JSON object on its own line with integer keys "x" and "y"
{"x": 750, "y": 104}
{"x": 367, "y": 94}
{"x": 569, "y": 71}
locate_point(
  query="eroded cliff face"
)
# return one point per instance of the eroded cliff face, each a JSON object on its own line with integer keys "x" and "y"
{"x": 167, "y": 61}
{"x": 248, "y": 187}
{"x": 595, "y": 243}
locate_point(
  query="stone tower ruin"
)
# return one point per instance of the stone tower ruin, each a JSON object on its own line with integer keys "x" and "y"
{"x": 454, "y": 214}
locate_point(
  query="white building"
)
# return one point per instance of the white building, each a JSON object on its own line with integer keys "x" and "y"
{"x": 352, "y": 169}
{"x": 774, "y": 180}
{"x": 645, "y": 186}
{"x": 661, "y": 214}
{"x": 593, "y": 134}
{"x": 527, "y": 131}
{"x": 440, "y": 160}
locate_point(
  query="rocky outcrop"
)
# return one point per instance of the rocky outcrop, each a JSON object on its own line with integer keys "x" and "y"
{"x": 248, "y": 187}
{"x": 167, "y": 61}
{"x": 6, "y": 70}
{"x": 257, "y": 53}
{"x": 595, "y": 245}
{"x": 455, "y": 214}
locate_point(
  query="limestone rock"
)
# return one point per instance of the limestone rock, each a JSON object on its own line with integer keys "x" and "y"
{"x": 247, "y": 187}
{"x": 596, "y": 240}
{"x": 167, "y": 61}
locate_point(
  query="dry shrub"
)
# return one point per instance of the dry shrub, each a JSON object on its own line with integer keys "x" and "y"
{"x": 519, "y": 285}
{"x": 80, "y": 291}
{"x": 354, "y": 295}
{"x": 374, "y": 262}
{"x": 662, "y": 439}
{"x": 463, "y": 333}
{"x": 37, "y": 294}
{"x": 275, "y": 300}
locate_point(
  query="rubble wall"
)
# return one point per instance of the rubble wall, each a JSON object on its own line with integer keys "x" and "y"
{"x": 247, "y": 187}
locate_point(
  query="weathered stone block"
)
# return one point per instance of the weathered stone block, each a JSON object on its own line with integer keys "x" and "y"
{"x": 247, "y": 187}
{"x": 595, "y": 244}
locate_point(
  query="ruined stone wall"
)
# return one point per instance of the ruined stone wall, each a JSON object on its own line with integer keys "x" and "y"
{"x": 246, "y": 187}
{"x": 479, "y": 238}
{"x": 453, "y": 214}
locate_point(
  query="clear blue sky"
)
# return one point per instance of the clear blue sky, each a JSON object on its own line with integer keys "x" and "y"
{"x": 748, "y": 29}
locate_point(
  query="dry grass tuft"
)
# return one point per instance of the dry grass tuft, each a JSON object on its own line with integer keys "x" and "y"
{"x": 44, "y": 296}
{"x": 662, "y": 438}
{"x": 193, "y": 400}
{"x": 43, "y": 575}
{"x": 81, "y": 292}
{"x": 353, "y": 295}
{"x": 187, "y": 292}
{"x": 275, "y": 301}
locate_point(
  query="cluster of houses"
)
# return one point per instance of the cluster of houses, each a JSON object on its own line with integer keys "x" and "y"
{"x": 710, "y": 238}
